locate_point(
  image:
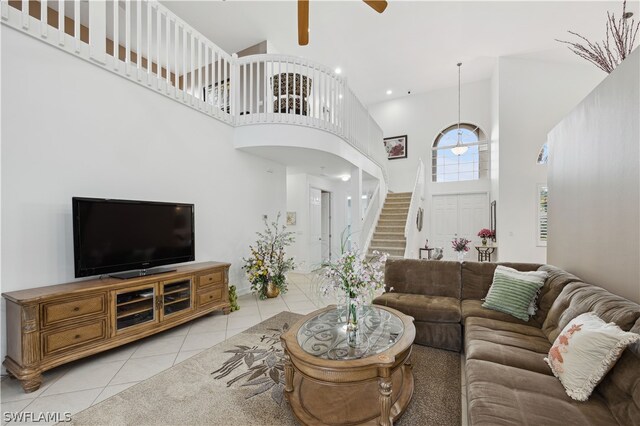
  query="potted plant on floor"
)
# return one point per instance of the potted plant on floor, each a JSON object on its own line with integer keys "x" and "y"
{"x": 267, "y": 266}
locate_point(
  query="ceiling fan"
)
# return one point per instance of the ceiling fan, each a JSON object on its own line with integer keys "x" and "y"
{"x": 303, "y": 17}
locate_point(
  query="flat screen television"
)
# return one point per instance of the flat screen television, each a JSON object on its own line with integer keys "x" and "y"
{"x": 123, "y": 235}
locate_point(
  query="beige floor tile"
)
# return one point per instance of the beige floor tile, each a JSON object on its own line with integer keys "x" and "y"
{"x": 121, "y": 353}
{"x": 209, "y": 324}
{"x": 159, "y": 345}
{"x": 9, "y": 409}
{"x": 245, "y": 311}
{"x": 111, "y": 390}
{"x": 202, "y": 340}
{"x": 72, "y": 402}
{"x": 292, "y": 298}
{"x": 138, "y": 369}
{"x": 11, "y": 390}
{"x": 88, "y": 375}
{"x": 302, "y": 307}
{"x": 243, "y": 322}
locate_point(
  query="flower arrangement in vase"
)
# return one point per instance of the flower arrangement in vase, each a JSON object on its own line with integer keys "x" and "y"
{"x": 267, "y": 266}
{"x": 460, "y": 246}
{"x": 485, "y": 233}
{"x": 359, "y": 277}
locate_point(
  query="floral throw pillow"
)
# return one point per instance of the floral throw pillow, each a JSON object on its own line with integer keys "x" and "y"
{"x": 583, "y": 353}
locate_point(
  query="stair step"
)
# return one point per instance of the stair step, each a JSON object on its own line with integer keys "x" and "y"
{"x": 389, "y": 243}
{"x": 393, "y": 251}
{"x": 387, "y": 209}
{"x": 388, "y": 235}
{"x": 399, "y": 194}
{"x": 393, "y": 216}
{"x": 391, "y": 229}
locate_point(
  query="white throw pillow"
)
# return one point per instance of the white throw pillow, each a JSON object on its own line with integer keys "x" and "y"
{"x": 583, "y": 353}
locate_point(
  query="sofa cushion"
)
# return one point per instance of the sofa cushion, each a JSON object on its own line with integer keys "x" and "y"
{"x": 577, "y": 298}
{"x": 552, "y": 287}
{"x": 504, "y": 395}
{"x": 426, "y": 277}
{"x": 514, "y": 292}
{"x": 506, "y": 333}
{"x": 621, "y": 387}
{"x": 473, "y": 308}
{"x": 478, "y": 276}
{"x": 423, "y": 308}
{"x": 585, "y": 351}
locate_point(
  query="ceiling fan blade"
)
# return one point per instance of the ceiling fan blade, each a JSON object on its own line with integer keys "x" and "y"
{"x": 303, "y": 22}
{"x": 377, "y": 5}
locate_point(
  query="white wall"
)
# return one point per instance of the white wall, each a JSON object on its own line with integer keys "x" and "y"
{"x": 422, "y": 117}
{"x": 71, "y": 129}
{"x": 594, "y": 185}
{"x": 533, "y": 97}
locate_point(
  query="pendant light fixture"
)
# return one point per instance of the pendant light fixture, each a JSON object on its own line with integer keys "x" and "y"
{"x": 459, "y": 149}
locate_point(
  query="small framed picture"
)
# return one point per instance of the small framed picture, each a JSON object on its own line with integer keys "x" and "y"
{"x": 291, "y": 218}
{"x": 396, "y": 147}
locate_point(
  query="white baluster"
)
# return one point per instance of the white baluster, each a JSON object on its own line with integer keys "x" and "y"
{"x": 4, "y": 9}
{"x": 245, "y": 89}
{"x": 76, "y": 27}
{"x": 251, "y": 84}
{"x": 176, "y": 30}
{"x": 61, "y": 34}
{"x": 44, "y": 18}
{"x": 149, "y": 37}
{"x": 158, "y": 42}
{"x": 139, "y": 39}
{"x": 200, "y": 85}
{"x": 184, "y": 64}
{"x": 116, "y": 35}
{"x": 127, "y": 37}
{"x": 98, "y": 31}
{"x": 192, "y": 67}
{"x": 222, "y": 90}
{"x": 25, "y": 13}
{"x": 168, "y": 61}
{"x": 206, "y": 79}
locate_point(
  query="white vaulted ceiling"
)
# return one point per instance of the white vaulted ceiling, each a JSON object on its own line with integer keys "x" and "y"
{"x": 413, "y": 45}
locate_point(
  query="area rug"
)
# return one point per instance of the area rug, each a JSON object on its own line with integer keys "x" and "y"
{"x": 239, "y": 382}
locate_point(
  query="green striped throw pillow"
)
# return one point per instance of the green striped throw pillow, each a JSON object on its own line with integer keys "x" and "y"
{"x": 512, "y": 292}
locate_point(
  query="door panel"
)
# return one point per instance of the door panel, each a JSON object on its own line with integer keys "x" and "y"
{"x": 315, "y": 228}
{"x": 461, "y": 214}
{"x": 326, "y": 225}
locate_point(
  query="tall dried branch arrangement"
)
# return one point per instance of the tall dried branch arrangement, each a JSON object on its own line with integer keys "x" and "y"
{"x": 607, "y": 54}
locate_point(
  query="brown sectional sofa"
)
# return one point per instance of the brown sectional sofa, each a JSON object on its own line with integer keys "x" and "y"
{"x": 508, "y": 382}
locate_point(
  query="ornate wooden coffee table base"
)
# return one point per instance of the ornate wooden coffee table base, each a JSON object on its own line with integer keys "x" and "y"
{"x": 374, "y": 390}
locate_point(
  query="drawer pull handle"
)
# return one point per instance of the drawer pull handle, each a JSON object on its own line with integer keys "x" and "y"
{"x": 76, "y": 309}
{"x": 77, "y": 336}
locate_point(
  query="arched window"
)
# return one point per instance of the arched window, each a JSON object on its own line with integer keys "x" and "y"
{"x": 472, "y": 165}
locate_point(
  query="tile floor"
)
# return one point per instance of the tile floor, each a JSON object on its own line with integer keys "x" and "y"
{"x": 76, "y": 386}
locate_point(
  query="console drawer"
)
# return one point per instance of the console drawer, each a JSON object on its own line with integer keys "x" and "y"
{"x": 67, "y": 339}
{"x": 76, "y": 308}
{"x": 216, "y": 277}
{"x": 211, "y": 295}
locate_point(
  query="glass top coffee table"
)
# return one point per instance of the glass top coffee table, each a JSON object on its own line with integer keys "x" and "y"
{"x": 333, "y": 380}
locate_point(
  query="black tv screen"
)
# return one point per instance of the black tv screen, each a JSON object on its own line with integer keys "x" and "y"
{"x": 121, "y": 235}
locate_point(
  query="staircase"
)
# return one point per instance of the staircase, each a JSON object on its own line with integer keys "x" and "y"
{"x": 389, "y": 234}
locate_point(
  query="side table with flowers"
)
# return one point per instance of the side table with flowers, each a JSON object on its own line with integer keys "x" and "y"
{"x": 485, "y": 233}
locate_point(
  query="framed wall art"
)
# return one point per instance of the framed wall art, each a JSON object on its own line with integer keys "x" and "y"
{"x": 396, "y": 147}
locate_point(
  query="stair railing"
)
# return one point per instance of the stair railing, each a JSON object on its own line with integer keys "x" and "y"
{"x": 370, "y": 219}
{"x": 411, "y": 231}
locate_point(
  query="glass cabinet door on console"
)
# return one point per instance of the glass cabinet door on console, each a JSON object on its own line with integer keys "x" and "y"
{"x": 176, "y": 296}
{"x": 135, "y": 307}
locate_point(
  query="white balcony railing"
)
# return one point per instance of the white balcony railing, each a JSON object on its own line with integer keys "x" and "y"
{"x": 143, "y": 41}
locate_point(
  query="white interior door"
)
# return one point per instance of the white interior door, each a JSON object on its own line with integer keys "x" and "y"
{"x": 315, "y": 228}
{"x": 325, "y": 224}
{"x": 461, "y": 214}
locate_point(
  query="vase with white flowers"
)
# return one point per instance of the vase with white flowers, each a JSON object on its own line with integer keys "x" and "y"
{"x": 360, "y": 277}
{"x": 268, "y": 264}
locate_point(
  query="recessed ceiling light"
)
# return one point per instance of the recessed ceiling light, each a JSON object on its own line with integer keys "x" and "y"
{"x": 340, "y": 96}
{"x": 338, "y": 71}
{"x": 389, "y": 92}
{"x": 345, "y": 178}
